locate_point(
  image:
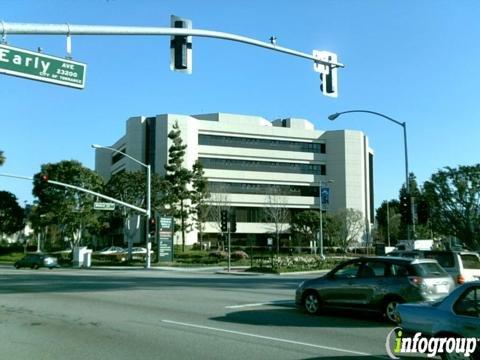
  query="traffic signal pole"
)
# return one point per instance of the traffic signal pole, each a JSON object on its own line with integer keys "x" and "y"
{"x": 71, "y": 29}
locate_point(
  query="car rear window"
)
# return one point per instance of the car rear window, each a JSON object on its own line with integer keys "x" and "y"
{"x": 429, "y": 269}
{"x": 444, "y": 259}
{"x": 470, "y": 261}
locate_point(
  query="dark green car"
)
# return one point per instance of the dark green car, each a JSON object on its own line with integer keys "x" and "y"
{"x": 376, "y": 284}
{"x": 35, "y": 261}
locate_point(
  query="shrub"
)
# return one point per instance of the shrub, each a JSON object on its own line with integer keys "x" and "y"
{"x": 239, "y": 255}
{"x": 221, "y": 255}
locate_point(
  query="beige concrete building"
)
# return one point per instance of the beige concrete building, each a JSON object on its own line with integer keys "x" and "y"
{"x": 245, "y": 156}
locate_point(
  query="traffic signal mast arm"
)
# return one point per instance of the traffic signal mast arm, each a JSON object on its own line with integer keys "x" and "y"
{"x": 69, "y": 29}
{"x": 78, "y": 188}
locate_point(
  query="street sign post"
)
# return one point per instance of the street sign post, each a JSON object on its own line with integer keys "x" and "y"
{"x": 104, "y": 206}
{"x": 37, "y": 66}
{"x": 165, "y": 239}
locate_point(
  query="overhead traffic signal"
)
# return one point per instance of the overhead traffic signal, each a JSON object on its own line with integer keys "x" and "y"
{"x": 224, "y": 220}
{"x": 328, "y": 73}
{"x": 181, "y": 46}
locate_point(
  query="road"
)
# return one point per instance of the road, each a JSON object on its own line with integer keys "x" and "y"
{"x": 154, "y": 314}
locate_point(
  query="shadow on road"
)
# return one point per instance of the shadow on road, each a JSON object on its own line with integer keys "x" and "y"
{"x": 294, "y": 317}
{"x": 41, "y": 281}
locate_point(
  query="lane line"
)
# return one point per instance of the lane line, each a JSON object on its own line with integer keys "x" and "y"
{"x": 276, "y": 302}
{"x": 271, "y": 338}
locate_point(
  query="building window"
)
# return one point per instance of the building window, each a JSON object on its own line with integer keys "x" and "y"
{"x": 116, "y": 157}
{"x": 262, "y": 189}
{"x": 264, "y": 166}
{"x": 255, "y": 143}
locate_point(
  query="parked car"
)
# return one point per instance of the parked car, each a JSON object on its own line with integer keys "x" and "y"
{"x": 375, "y": 284}
{"x": 463, "y": 266}
{"x": 111, "y": 250}
{"x": 36, "y": 261}
{"x": 456, "y": 316}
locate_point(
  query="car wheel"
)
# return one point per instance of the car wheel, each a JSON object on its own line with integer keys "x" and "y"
{"x": 312, "y": 303}
{"x": 17, "y": 266}
{"x": 35, "y": 266}
{"x": 390, "y": 309}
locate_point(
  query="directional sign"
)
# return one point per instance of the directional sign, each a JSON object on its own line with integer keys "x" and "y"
{"x": 38, "y": 66}
{"x": 104, "y": 206}
{"x": 165, "y": 240}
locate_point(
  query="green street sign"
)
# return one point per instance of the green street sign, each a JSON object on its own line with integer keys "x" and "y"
{"x": 104, "y": 206}
{"x": 41, "y": 67}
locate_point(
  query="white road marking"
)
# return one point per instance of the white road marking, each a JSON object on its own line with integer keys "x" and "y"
{"x": 271, "y": 338}
{"x": 278, "y": 302}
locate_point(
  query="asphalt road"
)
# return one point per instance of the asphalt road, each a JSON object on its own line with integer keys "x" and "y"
{"x": 157, "y": 314}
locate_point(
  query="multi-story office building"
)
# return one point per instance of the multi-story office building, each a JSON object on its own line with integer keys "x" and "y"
{"x": 245, "y": 157}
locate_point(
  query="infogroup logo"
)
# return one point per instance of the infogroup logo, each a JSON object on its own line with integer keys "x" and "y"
{"x": 397, "y": 343}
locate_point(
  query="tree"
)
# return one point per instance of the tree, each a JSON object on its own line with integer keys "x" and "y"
{"x": 199, "y": 196}
{"x": 175, "y": 185}
{"x": 388, "y": 222}
{"x": 70, "y": 209}
{"x": 306, "y": 224}
{"x": 352, "y": 225}
{"x": 219, "y": 201}
{"x": 453, "y": 196}
{"x": 276, "y": 212}
{"x": 11, "y": 214}
{"x": 2, "y": 158}
{"x": 130, "y": 187}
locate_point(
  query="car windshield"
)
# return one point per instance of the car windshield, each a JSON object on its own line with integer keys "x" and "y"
{"x": 429, "y": 269}
{"x": 470, "y": 261}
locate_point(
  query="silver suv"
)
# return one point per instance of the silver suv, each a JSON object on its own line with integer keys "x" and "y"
{"x": 375, "y": 284}
{"x": 463, "y": 266}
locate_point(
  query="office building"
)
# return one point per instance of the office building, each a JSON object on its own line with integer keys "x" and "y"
{"x": 246, "y": 157}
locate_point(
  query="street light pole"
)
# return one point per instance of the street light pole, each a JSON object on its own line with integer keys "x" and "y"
{"x": 149, "y": 197}
{"x": 404, "y": 126}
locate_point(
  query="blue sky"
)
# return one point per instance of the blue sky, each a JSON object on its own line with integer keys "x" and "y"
{"x": 415, "y": 61}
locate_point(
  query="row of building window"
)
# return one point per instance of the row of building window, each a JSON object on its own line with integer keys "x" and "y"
{"x": 268, "y": 144}
{"x": 253, "y": 214}
{"x": 265, "y": 166}
{"x": 116, "y": 157}
{"x": 262, "y": 189}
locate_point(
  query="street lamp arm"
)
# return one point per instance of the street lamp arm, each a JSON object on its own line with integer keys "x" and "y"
{"x": 95, "y": 146}
{"x": 334, "y": 116}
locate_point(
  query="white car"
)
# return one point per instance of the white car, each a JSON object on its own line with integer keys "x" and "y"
{"x": 111, "y": 250}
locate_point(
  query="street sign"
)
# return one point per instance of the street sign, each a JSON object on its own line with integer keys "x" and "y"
{"x": 104, "y": 206}
{"x": 41, "y": 67}
{"x": 165, "y": 239}
{"x": 325, "y": 195}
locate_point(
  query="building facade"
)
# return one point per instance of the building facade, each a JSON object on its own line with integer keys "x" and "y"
{"x": 245, "y": 157}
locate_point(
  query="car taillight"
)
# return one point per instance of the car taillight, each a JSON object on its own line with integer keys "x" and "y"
{"x": 415, "y": 280}
{"x": 460, "y": 279}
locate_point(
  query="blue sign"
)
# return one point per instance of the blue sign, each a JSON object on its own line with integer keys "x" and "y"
{"x": 325, "y": 195}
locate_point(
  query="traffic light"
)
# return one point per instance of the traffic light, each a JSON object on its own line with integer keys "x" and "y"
{"x": 152, "y": 226}
{"x": 328, "y": 73}
{"x": 181, "y": 46}
{"x": 233, "y": 222}
{"x": 224, "y": 220}
{"x": 406, "y": 209}
{"x": 423, "y": 212}
{"x": 44, "y": 178}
